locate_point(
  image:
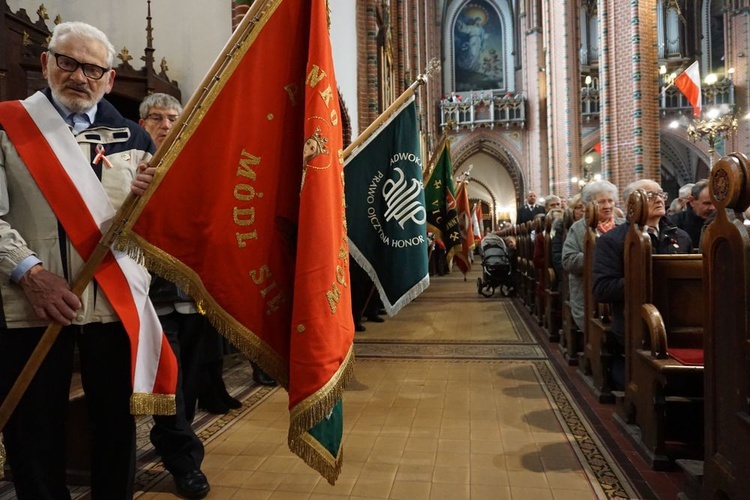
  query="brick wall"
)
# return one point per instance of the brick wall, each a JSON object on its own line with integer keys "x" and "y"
{"x": 630, "y": 114}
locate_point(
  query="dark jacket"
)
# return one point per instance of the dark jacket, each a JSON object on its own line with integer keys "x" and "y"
{"x": 690, "y": 223}
{"x": 609, "y": 266}
{"x": 526, "y": 213}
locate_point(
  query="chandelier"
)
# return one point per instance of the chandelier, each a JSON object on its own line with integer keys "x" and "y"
{"x": 714, "y": 127}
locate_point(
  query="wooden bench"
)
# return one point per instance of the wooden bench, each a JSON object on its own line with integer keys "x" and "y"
{"x": 571, "y": 338}
{"x": 726, "y": 253}
{"x": 527, "y": 266}
{"x": 537, "y": 272}
{"x": 664, "y": 319}
{"x": 552, "y": 299}
{"x": 594, "y": 365}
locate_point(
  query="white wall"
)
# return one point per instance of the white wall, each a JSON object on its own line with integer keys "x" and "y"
{"x": 344, "y": 42}
{"x": 189, "y": 34}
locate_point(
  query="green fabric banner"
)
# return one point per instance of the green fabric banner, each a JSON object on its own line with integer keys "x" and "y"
{"x": 385, "y": 211}
{"x": 440, "y": 198}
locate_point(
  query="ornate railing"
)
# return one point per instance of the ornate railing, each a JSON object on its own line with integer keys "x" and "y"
{"x": 484, "y": 109}
{"x": 671, "y": 100}
{"x": 590, "y": 105}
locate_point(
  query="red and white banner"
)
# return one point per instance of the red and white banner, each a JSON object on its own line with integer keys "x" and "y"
{"x": 689, "y": 83}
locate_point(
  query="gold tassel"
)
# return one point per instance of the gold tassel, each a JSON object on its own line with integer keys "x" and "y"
{"x": 152, "y": 404}
{"x": 2, "y": 460}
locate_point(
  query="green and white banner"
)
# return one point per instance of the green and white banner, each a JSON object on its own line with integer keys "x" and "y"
{"x": 385, "y": 210}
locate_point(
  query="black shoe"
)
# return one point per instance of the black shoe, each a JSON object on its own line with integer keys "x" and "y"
{"x": 359, "y": 327}
{"x": 231, "y": 402}
{"x": 192, "y": 484}
{"x": 213, "y": 404}
{"x": 381, "y": 311}
{"x": 228, "y": 400}
{"x": 262, "y": 378}
{"x": 375, "y": 319}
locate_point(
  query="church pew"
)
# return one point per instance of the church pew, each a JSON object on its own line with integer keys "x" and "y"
{"x": 594, "y": 363}
{"x": 552, "y": 299}
{"x": 664, "y": 318}
{"x": 726, "y": 254}
{"x": 537, "y": 274}
{"x": 522, "y": 245}
{"x": 529, "y": 274}
{"x": 571, "y": 338}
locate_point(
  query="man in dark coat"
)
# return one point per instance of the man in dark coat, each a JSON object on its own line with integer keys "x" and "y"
{"x": 699, "y": 208}
{"x": 528, "y": 210}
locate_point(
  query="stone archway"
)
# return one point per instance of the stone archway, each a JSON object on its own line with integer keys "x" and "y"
{"x": 495, "y": 170}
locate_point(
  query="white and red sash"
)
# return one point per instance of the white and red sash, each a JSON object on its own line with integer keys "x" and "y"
{"x": 77, "y": 197}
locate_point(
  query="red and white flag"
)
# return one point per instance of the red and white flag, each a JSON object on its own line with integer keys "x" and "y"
{"x": 689, "y": 83}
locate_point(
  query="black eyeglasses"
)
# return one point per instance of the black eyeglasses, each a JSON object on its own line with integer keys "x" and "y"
{"x": 157, "y": 118}
{"x": 68, "y": 64}
{"x": 652, "y": 195}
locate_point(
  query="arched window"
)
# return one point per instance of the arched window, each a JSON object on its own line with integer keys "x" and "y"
{"x": 478, "y": 43}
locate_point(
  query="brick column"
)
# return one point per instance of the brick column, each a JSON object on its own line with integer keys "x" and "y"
{"x": 564, "y": 130}
{"x": 629, "y": 75}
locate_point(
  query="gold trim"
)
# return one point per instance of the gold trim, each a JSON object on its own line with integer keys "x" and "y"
{"x": 318, "y": 457}
{"x": 312, "y": 411}
{"x": 152, "y": 404}
{"x": 2, "y": 460}
{"x": 169, "y": 268}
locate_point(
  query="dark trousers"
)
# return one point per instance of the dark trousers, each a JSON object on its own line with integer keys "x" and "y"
{"x": 172, "y": 436}
{"x": 35, "y": 434}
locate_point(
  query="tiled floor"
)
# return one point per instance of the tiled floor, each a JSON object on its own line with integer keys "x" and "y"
{"x": 418, "y": 428}
{"x": 457, "y": 397}
{"x": 414, "y": 430}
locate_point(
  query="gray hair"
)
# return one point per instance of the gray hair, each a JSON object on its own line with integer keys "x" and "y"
{"x": 633, "y": 186}
{"x": 158, "y": 100}
{"x": 594, "y": 188}
{"x": 82, "y": 30}
{"x": 685, "y": 190}
{"x": 698, "y": 188}
{"x": 550, "y": 198}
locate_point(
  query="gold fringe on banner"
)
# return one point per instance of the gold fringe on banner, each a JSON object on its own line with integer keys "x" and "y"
{"x": 2, "y": 459}
{"x": 238, "y": 335}
{"x": 152, "y": 404}
{"x": 312, "y": 411}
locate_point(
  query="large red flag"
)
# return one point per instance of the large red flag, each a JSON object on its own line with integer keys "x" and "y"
{"x": 247, "y": 213}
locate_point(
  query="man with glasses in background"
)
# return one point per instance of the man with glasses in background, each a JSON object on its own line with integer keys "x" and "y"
{"x": 609, "y": 265}
{"x": 68, "y": 160}
{"x": 172, "y": 435}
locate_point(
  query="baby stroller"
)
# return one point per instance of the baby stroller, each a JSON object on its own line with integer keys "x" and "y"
{"x": 496, "y": 272}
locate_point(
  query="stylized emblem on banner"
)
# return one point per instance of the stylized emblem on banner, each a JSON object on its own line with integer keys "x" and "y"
{"x": 402, "y": 200}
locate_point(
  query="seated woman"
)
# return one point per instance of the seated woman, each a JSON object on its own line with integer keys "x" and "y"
{"x": 604, "y": 194}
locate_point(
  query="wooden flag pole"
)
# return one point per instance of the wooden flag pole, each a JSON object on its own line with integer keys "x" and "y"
{"x": 86, "y": 274}
{"x": 406, "y": 95}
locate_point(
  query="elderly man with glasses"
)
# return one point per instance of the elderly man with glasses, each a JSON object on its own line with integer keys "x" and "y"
{"x": 609, "y": 265}
{"x": 68, "y": 160}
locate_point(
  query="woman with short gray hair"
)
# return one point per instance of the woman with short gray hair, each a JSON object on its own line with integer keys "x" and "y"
{"x": 604, "y": 194}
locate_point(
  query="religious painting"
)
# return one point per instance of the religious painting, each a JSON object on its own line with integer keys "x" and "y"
{"x": 478, "y": 48}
